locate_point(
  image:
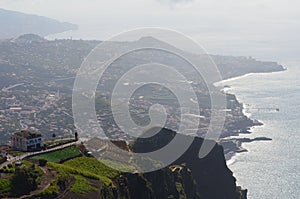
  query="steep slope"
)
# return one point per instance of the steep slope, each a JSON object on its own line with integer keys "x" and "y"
{"x": 200, "y": 178}
{"x": 189, "y": 177}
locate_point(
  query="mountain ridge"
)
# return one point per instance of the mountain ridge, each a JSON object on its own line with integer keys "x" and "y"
{"x": 14, "y": 24}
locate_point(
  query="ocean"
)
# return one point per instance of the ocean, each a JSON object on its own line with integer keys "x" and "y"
{"x": 270, "y": 169}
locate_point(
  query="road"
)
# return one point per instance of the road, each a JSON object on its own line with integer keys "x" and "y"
{"x": 21, "y": 157}
{"x": 12, "y": 86}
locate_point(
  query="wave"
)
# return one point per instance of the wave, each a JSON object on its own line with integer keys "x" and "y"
{"x": 220, "y": 83}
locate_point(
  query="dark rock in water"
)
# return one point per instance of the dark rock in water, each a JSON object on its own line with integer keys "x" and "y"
{"x": 252, "y": 140}
{"x": 257, "y": 123}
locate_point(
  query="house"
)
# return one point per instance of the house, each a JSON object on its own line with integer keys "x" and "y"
{"x": 27, "y": 141}
{"x": 3, "y": 153}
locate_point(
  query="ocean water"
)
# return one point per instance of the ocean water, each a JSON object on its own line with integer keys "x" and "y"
{"x": 270, "y": 169}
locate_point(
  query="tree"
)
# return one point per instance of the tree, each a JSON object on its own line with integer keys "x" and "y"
{"x": 53, "y": 135}
{"x": 42, "y": 162}
{"x": 76, "y": 135}
{"x": 24, "y": 180}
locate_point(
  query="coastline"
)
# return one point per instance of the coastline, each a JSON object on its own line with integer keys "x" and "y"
{"x": 267, "y": 162}
{"x": 233, "y": 144}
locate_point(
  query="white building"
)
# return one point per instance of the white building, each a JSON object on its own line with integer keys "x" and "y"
{"x": 27, "y": 141}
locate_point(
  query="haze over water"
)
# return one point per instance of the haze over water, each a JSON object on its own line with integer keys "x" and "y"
{"x": 270, "y": 169}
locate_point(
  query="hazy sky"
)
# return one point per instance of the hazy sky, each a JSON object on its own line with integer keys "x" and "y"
{"x": 266, "y": 29}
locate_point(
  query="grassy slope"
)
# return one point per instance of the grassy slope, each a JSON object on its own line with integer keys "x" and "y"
{"x": 93, "y": 166}
{"x": 82, "y": 185}
{"x": 58, "y": 155}
{"x": 81, "y": 170}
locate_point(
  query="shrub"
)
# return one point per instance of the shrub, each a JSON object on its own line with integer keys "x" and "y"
{"x": 4, "y": 185}
{"x": 42, "y": 162}
{"x": 81, "y": 185}
{"x": 24, "y": 180}
{"x": 50, "y": 192}
{"x": 3, "y": 159}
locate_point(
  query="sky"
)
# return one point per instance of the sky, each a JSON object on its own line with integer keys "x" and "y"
{"x": 264, "y": 29}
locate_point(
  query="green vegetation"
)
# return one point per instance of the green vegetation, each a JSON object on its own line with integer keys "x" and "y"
{"x": 86, "y": 167}
{"x": 2, "y": 159}
{"x": 62, "y": 178}
{"x": 42, "y": 162}
{"x": 82, "y": 185}
{"x": 119, "y": 166}
{"x": 15, "y": 152}
{"x": 52, "y": 190}
{"x": 11, "y": 168}
{"x": 92, "y": 165}
{"x": 81, "y": 170}
{"x": 20, "y": 180}
{"x": 180, "y": 190}
{"x": 5, "y": 185}
{"x": 57, "y": 142}
{"x": 25, "y": 180}
{"x": 57, "y": 156}
{"x": 65, "y": 173}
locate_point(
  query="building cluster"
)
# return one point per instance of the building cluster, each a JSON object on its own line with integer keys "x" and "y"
{"x": 39, "y": 112}
{"x": 27, "y": 141}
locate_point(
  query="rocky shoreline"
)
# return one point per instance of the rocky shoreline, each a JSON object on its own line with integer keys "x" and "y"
{"x": 232, "y": 140}
{"x": 233, "y": 146}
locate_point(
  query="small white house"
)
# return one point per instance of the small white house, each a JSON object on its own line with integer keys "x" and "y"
{"x": 27, "y": 141}
{"x": 3, "y": 153}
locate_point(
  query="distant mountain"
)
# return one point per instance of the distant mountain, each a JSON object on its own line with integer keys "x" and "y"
{"x": 14, "y": 24}
{"x": 29, "y": 38}
{"x": 229, "y": 66}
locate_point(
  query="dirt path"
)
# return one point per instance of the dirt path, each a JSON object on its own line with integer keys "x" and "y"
{"x": 44, "y": 184}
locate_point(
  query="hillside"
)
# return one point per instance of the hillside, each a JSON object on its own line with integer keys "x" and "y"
{"x": 39, "y": 61}
{"x": 85, "y": 177}
{"x": 33, "y": 69}
{"x": 14, "y": 24}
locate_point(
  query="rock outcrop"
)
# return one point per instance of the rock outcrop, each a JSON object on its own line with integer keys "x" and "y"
{"x": 188, "y": 177}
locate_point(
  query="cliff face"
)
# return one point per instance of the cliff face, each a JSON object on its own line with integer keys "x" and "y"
{"x": 188, "y": 177}
{"x": 161, "y": 184}
{"x": 212, "y": 176}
